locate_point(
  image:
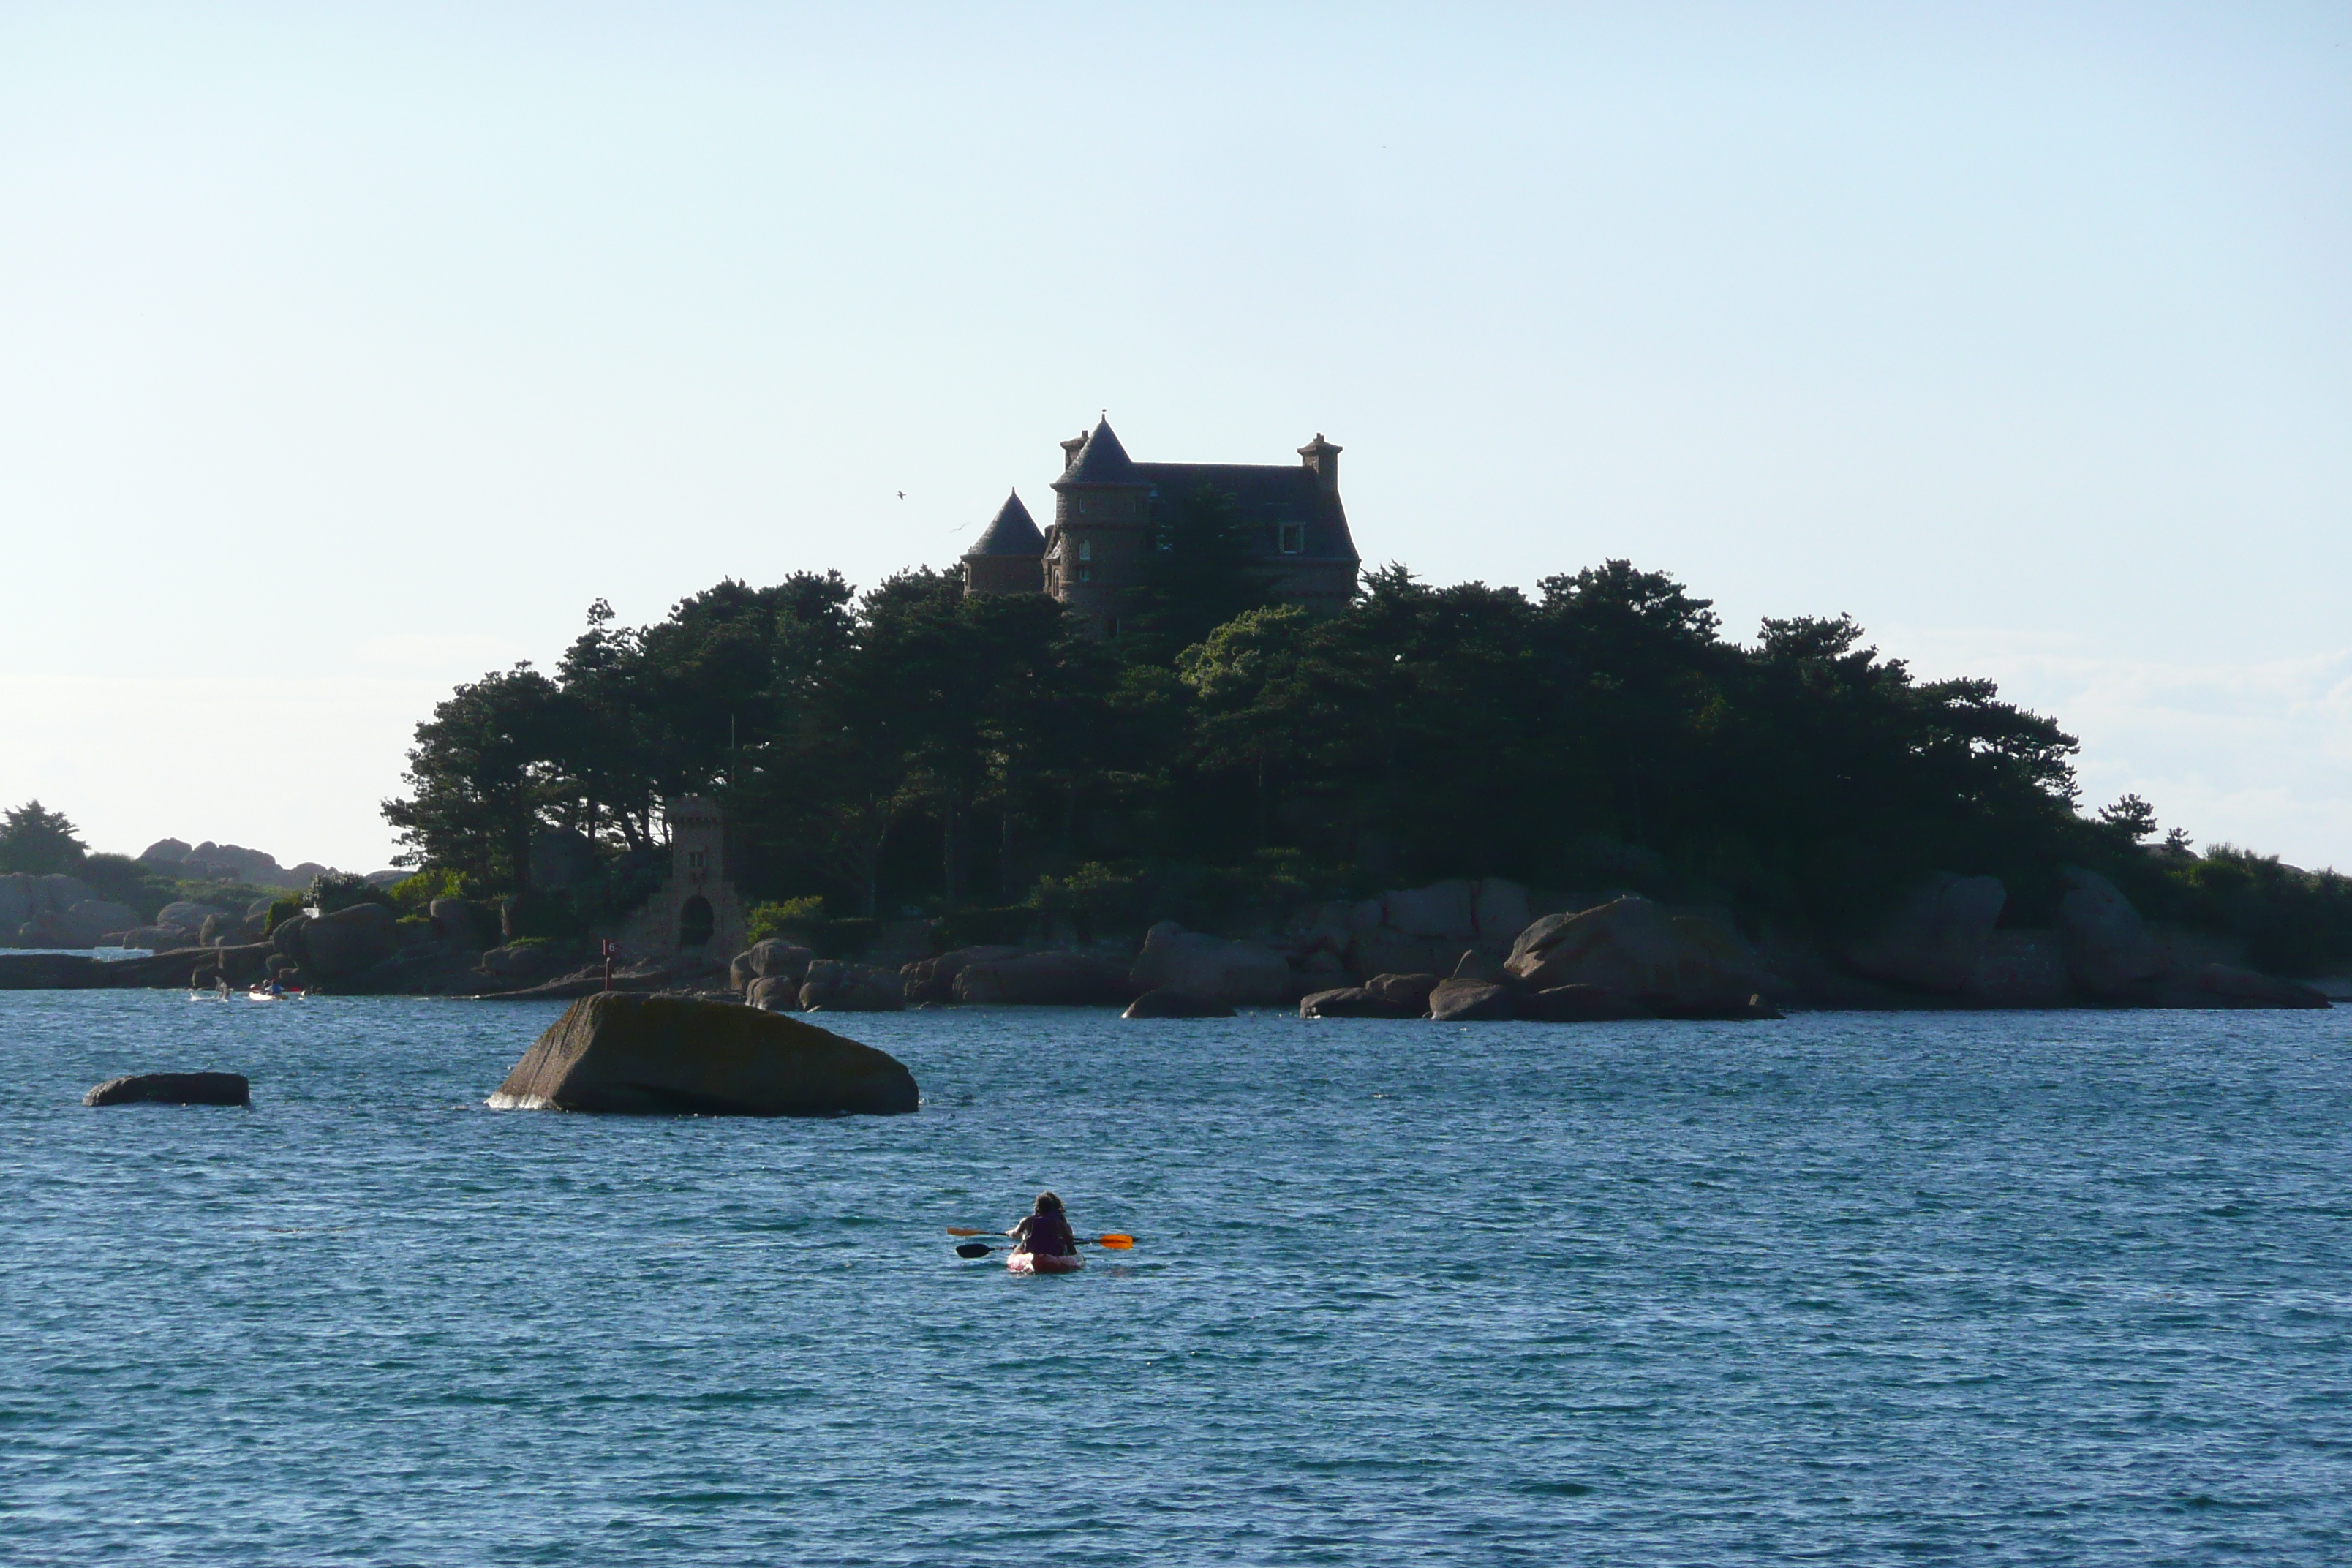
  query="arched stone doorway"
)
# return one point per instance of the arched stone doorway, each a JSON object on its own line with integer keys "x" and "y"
{"x": 695, "y": 922}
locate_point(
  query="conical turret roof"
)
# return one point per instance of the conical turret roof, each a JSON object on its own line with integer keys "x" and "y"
{"x": 1010, "y": 532}
{"x": 1101, "y": 462}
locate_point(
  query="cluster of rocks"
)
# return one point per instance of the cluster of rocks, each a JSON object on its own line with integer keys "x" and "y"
{"x": 58, "y": 910}
{"x": 1628, "y": 958}
{"x": 640, "y": 1054}
{"x": 1471, "y": 950}
{"x": 185, "y": 923}
{"x": 209, "y": 861}
{"x": 1456, "y": 951}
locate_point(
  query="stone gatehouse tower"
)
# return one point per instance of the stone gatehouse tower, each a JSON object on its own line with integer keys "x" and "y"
{"x": 1103, "y": 510}
{"x": 697, "y": 910}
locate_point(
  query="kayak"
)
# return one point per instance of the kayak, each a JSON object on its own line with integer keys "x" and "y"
{"x": 1030, "y": 1263}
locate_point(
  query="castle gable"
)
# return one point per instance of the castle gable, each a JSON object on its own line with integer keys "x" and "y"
{"x": 1105, "y": 501}
{"x": 1265, "y": 497}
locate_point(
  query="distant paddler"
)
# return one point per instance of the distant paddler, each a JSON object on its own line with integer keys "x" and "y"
{"x": 1043, "y": 1241}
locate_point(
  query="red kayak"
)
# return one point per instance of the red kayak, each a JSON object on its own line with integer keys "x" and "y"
{"x": 1031, "y": 1263}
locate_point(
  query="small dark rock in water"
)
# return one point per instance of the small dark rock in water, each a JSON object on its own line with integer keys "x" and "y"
{"x": 173, "y": 1088}
{"x": 1173, "y": 1002}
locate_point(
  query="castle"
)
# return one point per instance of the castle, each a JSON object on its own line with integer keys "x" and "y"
{"x": 1103, "y": 510}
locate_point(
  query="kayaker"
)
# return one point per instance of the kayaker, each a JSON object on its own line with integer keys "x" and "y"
{"x": 1045, "y": 1231}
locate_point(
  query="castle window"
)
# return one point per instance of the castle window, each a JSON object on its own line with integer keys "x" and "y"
{"x": 1085, "y": 550}
{"x": 1086, "y": 559}
{"x": 1293, "y": 539}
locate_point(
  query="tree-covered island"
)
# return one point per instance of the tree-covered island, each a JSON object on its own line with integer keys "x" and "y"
{"x": 991, "y": 763}
{"x": 1184, "y": 709}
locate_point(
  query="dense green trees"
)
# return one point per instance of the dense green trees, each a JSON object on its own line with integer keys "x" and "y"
{"x": 914, "y": 746}
{"x": 38, "y": 842}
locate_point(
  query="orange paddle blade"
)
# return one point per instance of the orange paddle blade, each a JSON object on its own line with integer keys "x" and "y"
{"x": 966, "y": 1230}
{"x": 1115, "y": 1241}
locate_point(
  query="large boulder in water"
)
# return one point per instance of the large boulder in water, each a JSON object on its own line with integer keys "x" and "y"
{"x": 1243, "y": 973}
{"x": 628, "y": 1055}
{"x": 173, "y": 1088}
{"x": 1676, "y": 965}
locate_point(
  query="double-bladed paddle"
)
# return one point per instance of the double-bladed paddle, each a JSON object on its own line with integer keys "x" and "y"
{"x": 1116, "y": 1241}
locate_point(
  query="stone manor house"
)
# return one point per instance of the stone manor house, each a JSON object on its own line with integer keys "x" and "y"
{"x": 1103, "y": 508}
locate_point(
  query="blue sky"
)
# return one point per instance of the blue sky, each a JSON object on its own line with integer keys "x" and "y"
{"x": 349, "y": 351}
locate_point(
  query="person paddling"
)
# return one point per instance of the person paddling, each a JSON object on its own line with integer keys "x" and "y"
{"x": 1045, "y": 1231}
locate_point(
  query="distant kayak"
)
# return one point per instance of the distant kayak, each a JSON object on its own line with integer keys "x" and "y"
{"x": 1030, "y": 1263}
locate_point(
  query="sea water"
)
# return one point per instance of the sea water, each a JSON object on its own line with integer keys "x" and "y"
{"x": 2010, "y": 1289}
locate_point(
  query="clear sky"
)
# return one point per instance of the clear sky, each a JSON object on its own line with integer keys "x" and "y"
{"x": 348, "y": 352}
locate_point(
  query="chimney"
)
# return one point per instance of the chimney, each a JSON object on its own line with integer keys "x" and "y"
{"x": 1070, "y": 449}
{"x": 1322, "y": 460}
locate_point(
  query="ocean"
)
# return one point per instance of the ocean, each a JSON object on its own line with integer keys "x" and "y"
{"x": 1844, "y": 1288}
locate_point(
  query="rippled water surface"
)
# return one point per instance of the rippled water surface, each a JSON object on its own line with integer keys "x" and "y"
{"x": 2028, "y": 1288}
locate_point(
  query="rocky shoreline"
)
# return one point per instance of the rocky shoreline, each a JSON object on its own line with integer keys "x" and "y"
{"x": 1456, "y": 951}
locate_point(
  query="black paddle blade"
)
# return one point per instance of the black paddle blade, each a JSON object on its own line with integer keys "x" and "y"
{"x": 973, "y": 1249}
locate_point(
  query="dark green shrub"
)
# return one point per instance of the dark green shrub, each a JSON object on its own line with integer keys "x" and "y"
{"x": 333, "y": 890}
{"x": 792, "y": 918}
{"x": 1095, "y": 898}
{"x": 413, "y": 895}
